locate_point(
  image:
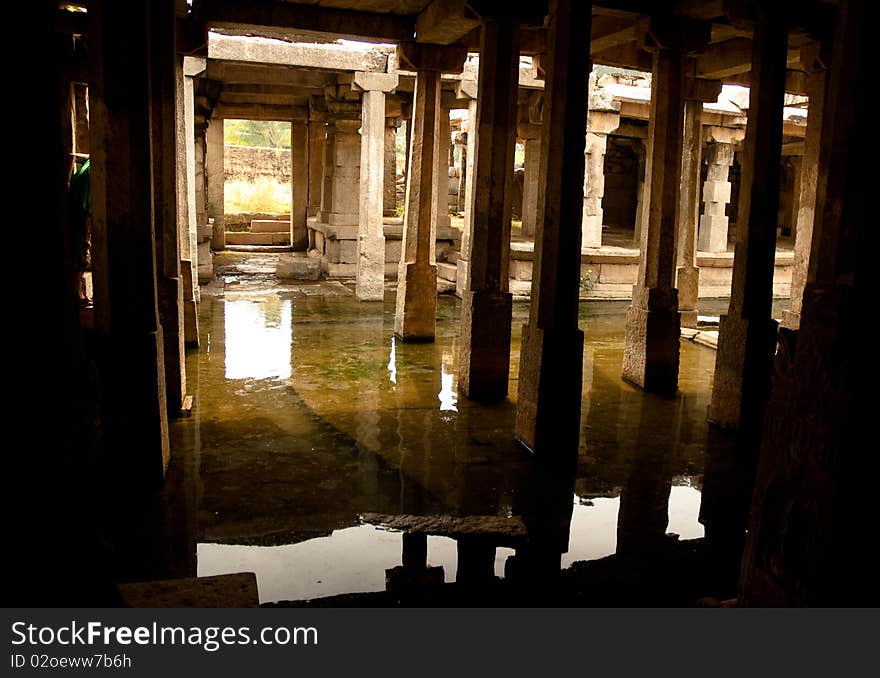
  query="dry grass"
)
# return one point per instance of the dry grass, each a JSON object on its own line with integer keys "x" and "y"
{"x": 264, "y": 195}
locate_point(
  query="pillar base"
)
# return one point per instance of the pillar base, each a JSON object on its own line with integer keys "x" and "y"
{"x": 416, "y": 310}
{"x": 735, "y": 334}
{"x": 484, "y": 366}
{"x": 688, "y": 293}
{"x": 190, "y": 310}
{"x": 548, "y": 396}
{"x": 370, "y": 281}
{"x": 651, "y": 343}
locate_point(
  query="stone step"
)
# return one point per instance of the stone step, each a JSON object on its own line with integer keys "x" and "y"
{"x": 298, "y": 266}
{"x": 266, "y": 238}
{"x": 453, "y": 256}
{"x": 447, "y": 271}
{"x": 258, "y": 248}
{"x": 270, "y": 226}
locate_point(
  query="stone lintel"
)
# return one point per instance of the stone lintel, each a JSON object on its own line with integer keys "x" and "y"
{"x": 418, "y": 56}
{"x": 382, "y": 82}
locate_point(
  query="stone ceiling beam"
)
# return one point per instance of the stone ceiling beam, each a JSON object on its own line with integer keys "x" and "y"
{"x": 445, "y": 21}
{"x": 308, "y": 17}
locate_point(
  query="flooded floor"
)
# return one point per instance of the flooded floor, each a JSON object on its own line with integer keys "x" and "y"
{"x": 317, "y": 439}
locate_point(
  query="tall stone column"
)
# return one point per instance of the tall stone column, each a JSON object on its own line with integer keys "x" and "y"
{"x": 809, "y": 178}
{"x": 747, "y": 333}
{"x": 299, "y": 209}
{"x": 550, "y": 375}
{"x": 599, "y": 125}
{"x": 462, "y": 278}
{"x": 716, "y": 195}
{"x": 342, "y": 170}
{"x": 370, "y": 281}
{"x": 126, "y": 308}
{"x": 416, "y": 305}
{"x": 687, "y": 274}
{"x": 813, "y": 502}
{"x": 651, "y": 344}
{"x": 642, "y": 189}
{"x": 215, "y": 180}
{"x": 484, "y": 362}
{"x": 441, "y": 174}
{"x": 317, "y": 133}
{"x": 166, "y": 70}
{"x": 531, "y": 136}
{"x": 328, "y": 166}
{"x": 390, "y": 179}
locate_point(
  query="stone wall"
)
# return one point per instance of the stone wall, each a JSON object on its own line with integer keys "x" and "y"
{"x": 248, "y": 163}
{"x": 621, "y": 184}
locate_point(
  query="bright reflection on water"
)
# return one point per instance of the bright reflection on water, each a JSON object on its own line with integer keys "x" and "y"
{"x": 258, "y": 339}
{"x": 330, "y": 425}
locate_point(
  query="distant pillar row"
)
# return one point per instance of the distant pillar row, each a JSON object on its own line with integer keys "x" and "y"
{"x": 299, "y": 208}
{"x": 600, "y": 124}
{"x": 214, "y": 170}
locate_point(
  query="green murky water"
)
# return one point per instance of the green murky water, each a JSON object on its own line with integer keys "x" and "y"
{"x": 308, "y": 414}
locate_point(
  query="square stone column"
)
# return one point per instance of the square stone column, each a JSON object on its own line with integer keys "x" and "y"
{"x": 132, "y": 368}
{"x": 651, "y": 343}
{"x": 531, "y": 136}
{"x": 809, "y": 178}
{"x": 643, "y": 189}
{"x": 462, "y": 278}
{"x": 215, "y": 180}
{"x": 484, "y": 362}
{"x": 328, "y": 166}
{"x": 716, "y": 196}
{"x": 687, "y": 274}
{"x": 416, "y": 304}
{"x": 370, "y": 281}
{"x": 167, "y": 115}
{"x": 747, "y": 333}
{"x": 550, "y": 375}
{"x": 390, "y": 180}
{"x": 317, "y": 134}
{"x": 441, "y": 175}
{"x": 299, "y": 209}
{"x": 600, "y": 124}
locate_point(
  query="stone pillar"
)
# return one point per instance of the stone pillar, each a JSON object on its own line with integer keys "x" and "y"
{"x": 317, "y": 134}
{"x": 123, "y": 244}
{"x": 389, "y": 203}
{"x": 299, "y": 209}
{"x": 806, "y": 208}
{"x": 342, "y": 170}
{"x": 550, "y": 375}
{"x": 462, "y": 278}
{"x": 484, "y": 362}
{"x": 642, "y": 187}
{"x": 813, "y": 502}
{"x": 531, "y": 176}
{"x": 688, "y": 275}
{"x": 416, "y": 304}
{"x": 370, "y": 281}
{"x": 166, "y": 72}
{"x": 441, "y": 174}
{"x": 747, "y": 333}
{"x": 81, "y": 118}
{"x": 716, "y": 195}
{"x": 328, "y": 165}
{"x": 600, "y": 124}
{"x": 651, "y": 344}
{"x": 215, "y": 180}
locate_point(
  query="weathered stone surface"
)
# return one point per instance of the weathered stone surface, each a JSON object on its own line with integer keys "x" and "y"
{"x": 507, "y": 530}
{"x": 370, "y": 281}
{"x": 225, "y": 590}
{"x": 484, "y": 359}
{"x": 215, "y": 178}
{"x": 716, "y": 195}
{"x": 298, "y": 267}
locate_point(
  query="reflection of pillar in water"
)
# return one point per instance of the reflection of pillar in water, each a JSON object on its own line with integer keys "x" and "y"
{"x": 644, "y": 502}
{"x": 476, "y": 561}
{"x": 367, "y": 410}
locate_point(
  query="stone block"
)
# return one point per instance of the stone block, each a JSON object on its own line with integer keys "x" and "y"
{"x": 617, "y": 274}
{"x": 298, "y": 266}
{"x": 269, "y": 225}
{"x": 520, "y": 270}
{"x": 716, "y": 191}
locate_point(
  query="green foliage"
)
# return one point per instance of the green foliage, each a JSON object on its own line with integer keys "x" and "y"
{"x": 587, "y": 281}
{"x": 261, "y": 133}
